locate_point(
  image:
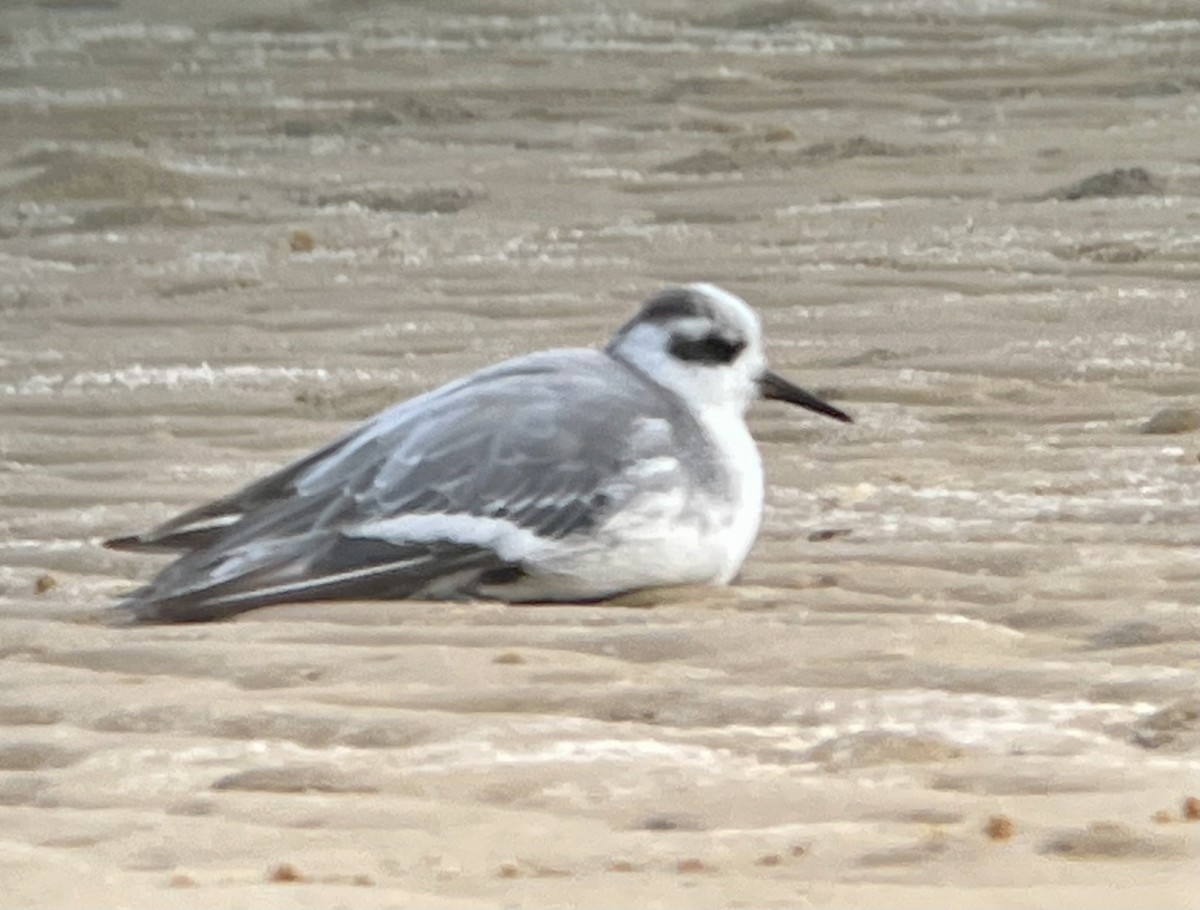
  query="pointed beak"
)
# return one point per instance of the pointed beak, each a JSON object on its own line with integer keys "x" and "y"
{"x": 774, "y": 387}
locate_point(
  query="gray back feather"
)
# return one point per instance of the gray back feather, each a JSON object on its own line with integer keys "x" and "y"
{"x": 536, "y": 440}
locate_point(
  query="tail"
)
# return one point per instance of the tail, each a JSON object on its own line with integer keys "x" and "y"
{"x": 205, "y": 586}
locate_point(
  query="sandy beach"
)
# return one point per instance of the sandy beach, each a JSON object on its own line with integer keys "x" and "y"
{"x": 960, "y": 667}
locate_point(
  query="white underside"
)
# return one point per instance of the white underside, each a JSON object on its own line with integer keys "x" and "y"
{"x": 659, "y": 538}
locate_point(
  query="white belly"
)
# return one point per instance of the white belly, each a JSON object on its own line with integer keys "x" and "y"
{"x": 739, "y": 451}
{"x": 662, "y": 539}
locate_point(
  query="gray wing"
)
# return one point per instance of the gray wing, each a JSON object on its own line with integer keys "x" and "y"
{"x": 536, "y": 443}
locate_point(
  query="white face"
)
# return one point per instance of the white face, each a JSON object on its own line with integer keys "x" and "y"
{"x": 699, "y": 341}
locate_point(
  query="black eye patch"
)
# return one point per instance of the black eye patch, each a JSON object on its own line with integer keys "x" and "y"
{"x": 711, "y": 349}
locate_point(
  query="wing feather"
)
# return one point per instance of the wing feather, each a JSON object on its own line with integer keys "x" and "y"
{"x": 331, "y": 568}
{"x": 540, "y": 442}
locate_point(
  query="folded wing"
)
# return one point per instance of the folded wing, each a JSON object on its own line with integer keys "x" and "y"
{"x": 526, "y": 451}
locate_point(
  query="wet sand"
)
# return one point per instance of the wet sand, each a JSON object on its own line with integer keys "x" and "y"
{"x": 960, "y": 667}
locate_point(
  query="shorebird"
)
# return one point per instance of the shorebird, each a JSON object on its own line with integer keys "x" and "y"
{"x": 563, "y": 475}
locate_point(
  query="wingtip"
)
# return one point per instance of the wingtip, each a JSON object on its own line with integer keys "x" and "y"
{"x": 145, "y": 607}
{"x": 141, "y": 544}
{"x": 123, "y": 543}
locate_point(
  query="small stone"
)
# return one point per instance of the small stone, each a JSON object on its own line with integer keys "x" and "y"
{"x": 1162, "y": 817}
{"x": 44, "y": 583}
{"x": 621, "y": 865}
{"x": 692, "y": 865}
{"x": 302, "y": 241}
{"x": 510, "y": 658}
{"x": 779, "y": 134}
{"x": 1191, "y": 809}
{"x": 508, "y": 870}
{"x": 769, "y": 859}
{"x": 181, "y": 880}
{"x": 285, "y": 873}
{"x": 1000, "y": 827}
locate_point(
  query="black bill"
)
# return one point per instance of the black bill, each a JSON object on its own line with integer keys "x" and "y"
{"x": 776, "y": 388}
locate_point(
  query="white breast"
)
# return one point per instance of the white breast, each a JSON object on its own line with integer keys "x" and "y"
{"x": 739, "y": 454}
{"x": 664, "y": 537}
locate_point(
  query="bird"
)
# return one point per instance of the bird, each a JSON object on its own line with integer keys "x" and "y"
{"x": 567, "y": 475}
